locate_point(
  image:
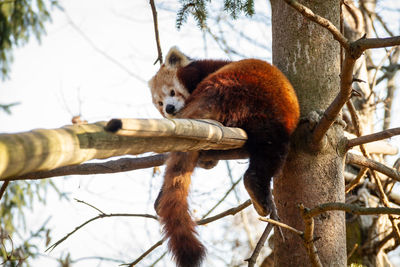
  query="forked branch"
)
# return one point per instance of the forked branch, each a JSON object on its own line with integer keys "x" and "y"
{"x": 307, "y": 236}
{"x": 352, "y": 51}
{"x": 373, "y": 165}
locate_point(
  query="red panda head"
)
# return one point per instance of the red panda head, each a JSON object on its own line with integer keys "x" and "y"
{"x": 168, "y": 93}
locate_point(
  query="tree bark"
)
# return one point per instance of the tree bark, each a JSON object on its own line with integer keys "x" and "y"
{"x": 310, "y": 58}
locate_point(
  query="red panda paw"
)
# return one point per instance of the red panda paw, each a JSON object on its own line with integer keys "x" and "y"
{"x": 207, "y": 164}
{"x": 258, "y": 188}
{"x": 263, "y": 209}
{"x": 261, "y": 202}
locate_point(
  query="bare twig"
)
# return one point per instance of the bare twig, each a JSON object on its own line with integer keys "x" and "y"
{"x": 356, "y": 180}
{"x": 380, "y": 65}
{"x": 359, "y": 46}
{"x": 351, "y": 208}
{"x": 378, "y": 246}
{"x": 373, "y": 137}
{"x": 112, "y": 166}
{"x": 353, "y": 51}
{"x": 372, "y": 164}
{"x": 283, "y": 225}
{"x": 223, "y": 198}
{"x": 231, "y": 211}
{"x": 379, "y": 18}
{"x": 308, "y": 238}
{"x": 158, "y": 259}
{"x": 385, "y": 201}
{"x": 243, "y": 215}
{"x": 340, "y": 100}
{"x": 155, "y": 21}
{"x": 3, "y": 188}
{"x": 353, "y": 250}
{"x": 90, "y": 205}
{"x": 253, "y": 258}
{"x": 147, "y": 252}
{"x": 100, "y": 216}
{"x": 378, "y": 182}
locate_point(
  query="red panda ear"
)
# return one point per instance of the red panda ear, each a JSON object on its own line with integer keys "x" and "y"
{"x": 176, "y": 59}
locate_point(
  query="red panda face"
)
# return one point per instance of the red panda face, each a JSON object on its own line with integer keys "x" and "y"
{"x": 168, "y": 93}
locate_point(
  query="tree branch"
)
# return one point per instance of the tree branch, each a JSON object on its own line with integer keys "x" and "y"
{"x": 356, "y": 180}
{"x": 350, "y": 208}
{"x": 222, "y": 199}
{"x": 331, "y": 113}
{"x": 100, "y": 216}
{"x": 283, "y": 225}
{"x": 308, "y": 13}
{"x": 126, "y": 164}
{"x": 155, "y": 21}
{"x": 377, "y": 180}
{"x": 308, "y": 238}
{"x": 231, "y": 211}
{"x": 373, "y": 137}
{"x": 372, "y": 164}
{"x": 147, "y": 252}
{"x": 3, "y": 188}
{"x": 353, "y": 51}
{"x": 359, "y": 46}
{"x": 253, "y": 258}
{"x": 112, "y": 166}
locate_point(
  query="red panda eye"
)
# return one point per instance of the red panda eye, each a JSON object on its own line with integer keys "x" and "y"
{"x": 160, "y": 103}
{"x": 172, "y": 93}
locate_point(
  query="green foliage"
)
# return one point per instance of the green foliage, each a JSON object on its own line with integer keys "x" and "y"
{"x": 15, "y": 244}
{"x": 12, "y": 255}
{"x": 234, "y": 7}
{"x": 198, "y": 8}
{"x": 19, "y": 20}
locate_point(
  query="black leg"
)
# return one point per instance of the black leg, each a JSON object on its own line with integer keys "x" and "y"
{"x": 268, "y": 148}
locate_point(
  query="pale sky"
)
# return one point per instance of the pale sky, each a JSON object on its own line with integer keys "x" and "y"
{"x": 66, "y": 75}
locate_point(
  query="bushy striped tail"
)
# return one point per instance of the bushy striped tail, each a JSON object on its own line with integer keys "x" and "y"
{"x": 179, "y": 228}
{"x": 173, "y": 209}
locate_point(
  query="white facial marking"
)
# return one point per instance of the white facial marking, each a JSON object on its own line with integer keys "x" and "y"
{"x": 181, "y": 89}
{"x": 178, "y": 103}
{"x": 167, "y": 92}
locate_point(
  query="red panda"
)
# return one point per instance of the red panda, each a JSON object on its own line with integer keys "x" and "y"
{"x": 250, "y": 94}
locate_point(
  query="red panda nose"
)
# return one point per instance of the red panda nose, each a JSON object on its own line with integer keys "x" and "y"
{"x": 170, "y": 109}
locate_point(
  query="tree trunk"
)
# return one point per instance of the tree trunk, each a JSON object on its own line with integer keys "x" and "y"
{"x": 310, "y": 58}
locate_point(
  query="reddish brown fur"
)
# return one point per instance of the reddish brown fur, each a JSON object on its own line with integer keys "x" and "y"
{"x": 241, "y": 90}
{"x": 191, "y": 75}
{"x": 173, "y": 210}
{"x": 250, "y": 94}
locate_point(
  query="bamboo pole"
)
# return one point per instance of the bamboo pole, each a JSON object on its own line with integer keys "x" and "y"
{"x": 47, "y": 149}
